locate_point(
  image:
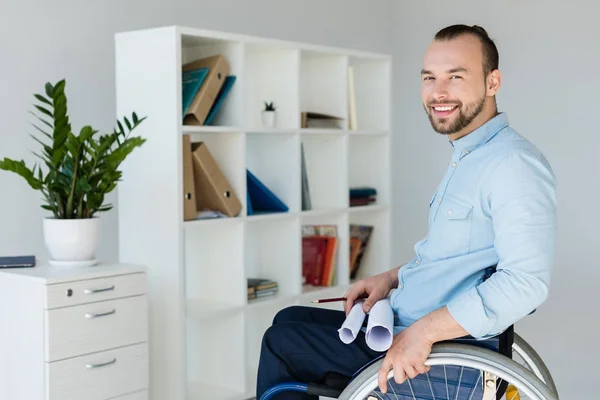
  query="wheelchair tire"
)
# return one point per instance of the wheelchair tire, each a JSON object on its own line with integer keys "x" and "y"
{"x": 534, "y": 361}
{"x": 460, "y": 355}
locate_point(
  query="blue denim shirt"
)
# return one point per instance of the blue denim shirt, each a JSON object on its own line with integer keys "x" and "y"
{"x": 496, "y": 204}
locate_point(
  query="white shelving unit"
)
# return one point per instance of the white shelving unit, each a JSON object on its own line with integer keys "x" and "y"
{"x": 205, "y": 336}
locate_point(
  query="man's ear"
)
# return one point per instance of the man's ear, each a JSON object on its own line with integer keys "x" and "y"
{"x": 493, "y": 82}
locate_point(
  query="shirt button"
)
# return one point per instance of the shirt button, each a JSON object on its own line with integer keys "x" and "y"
{"x": 417, "y": 262}
{"x": 449, "y": 212}
{"x": 453, "y": 164}
{"x": 467, "y": 151}
{"x": 439, "y": 200}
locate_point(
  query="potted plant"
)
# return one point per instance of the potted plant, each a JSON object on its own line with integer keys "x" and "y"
{"x": 268, "y": 115}
{"x": 80, "y": 170}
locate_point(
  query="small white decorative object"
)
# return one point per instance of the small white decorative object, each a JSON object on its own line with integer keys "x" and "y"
{"x": 72, "y": 241}
{"x": 269, "y": 115}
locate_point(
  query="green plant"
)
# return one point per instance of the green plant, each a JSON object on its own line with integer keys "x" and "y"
{"x": 81, "y": 169}
{"x": 269, "y": 106}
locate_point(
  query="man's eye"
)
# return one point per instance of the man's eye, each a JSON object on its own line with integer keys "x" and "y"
{"x": 428, "y": 78}
{"x": 455, "y": 77}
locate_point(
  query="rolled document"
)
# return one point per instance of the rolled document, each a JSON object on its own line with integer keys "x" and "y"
{"x": 379, "y": 335}
{"x": 353, "y": 323}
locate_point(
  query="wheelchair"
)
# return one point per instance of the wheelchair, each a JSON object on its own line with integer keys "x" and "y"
{"x": 460, "y": 369}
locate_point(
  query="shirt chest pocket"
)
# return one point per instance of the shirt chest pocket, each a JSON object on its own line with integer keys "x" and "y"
{"x": 450, "y": 234}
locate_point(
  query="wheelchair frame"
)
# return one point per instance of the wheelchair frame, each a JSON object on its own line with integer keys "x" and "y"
{"x": 494, "y": 354}
{"x": 498, "y": 351}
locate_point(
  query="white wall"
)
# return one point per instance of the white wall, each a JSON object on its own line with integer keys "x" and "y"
{"x": 550, "y": 61}
{"x": 45, "y": 41}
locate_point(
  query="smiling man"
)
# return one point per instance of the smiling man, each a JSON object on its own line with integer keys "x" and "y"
{"x": 495, "y": 206}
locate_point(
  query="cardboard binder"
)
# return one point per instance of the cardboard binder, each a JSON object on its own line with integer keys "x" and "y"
{"x": 218, "y": 69}
{"x": 189, "y": 193}
{"x": 213, "y": 191}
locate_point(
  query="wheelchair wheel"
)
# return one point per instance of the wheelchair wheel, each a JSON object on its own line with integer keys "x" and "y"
{"x": 458, "y": 372}
{"x": 533, "y": 361}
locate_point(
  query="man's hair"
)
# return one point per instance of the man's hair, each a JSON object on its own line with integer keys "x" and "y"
{"x": 490, "y": 52}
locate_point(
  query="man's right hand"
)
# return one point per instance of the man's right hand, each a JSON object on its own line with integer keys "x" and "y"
{"x": 371, "y": 289}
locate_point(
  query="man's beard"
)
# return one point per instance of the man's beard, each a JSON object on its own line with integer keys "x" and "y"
{"x": 464, "y": 118}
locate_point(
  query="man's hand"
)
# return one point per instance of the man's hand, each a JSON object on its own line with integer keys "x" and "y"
{"x": 374, "y": 288}
{"x": 406, "y": 355}
{"x": 411, "y": 347}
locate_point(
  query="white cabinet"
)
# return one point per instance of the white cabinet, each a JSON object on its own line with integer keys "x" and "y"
{"x": 74, "y": 333}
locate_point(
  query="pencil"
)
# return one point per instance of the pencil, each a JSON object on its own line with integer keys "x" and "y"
{"x": 330, "y": 300}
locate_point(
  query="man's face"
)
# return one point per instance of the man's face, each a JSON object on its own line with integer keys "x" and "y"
{"x": 453, "y": 84}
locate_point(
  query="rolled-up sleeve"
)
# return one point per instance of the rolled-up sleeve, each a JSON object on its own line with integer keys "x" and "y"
{"x": 522, "y": 201}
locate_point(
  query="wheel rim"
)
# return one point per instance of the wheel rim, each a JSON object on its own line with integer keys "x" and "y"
{"x": 524, "y": 380}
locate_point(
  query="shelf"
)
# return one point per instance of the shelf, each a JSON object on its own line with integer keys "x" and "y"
{"x": 272, "y": 251}
{"x": 326, "y": 168}
{"x": 324, "y": 84}
{"x": 270, "y": 76}
{"x": 275, "y": 161}
{"x": 375, "y": 258}
{"x": 369, "y": 164}
{"x": 372, "y": 89}
{"x": 210, "y": 348}
{"x": 213, "y": 253}
{"x": 207, "y": 333}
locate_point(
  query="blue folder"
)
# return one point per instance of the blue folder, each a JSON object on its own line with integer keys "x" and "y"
{"x": 191, "y": 82}
{"x": 227, "y": 84}
{"x": 260, "y": 198}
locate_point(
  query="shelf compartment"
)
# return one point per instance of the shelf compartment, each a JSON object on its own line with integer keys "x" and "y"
{"x": 324, "y": 224}
{"x": 368, "y": 165}
{"x": 372, "y": 92}
{"x": 274, "y": 159}
{"x": 228, "y": 151}
{"x": 375, "y": 259}
{"x": 211, "y": 252}
{"x": 272, "y": 251}
{"x": 210, "y": 348}
{"x": 196, "y": 48}
{"x": 326, "y": 168}
{"x": 272, "y": 75}
{"x": 258, "y": 320}
{"x": 323, "y": 84}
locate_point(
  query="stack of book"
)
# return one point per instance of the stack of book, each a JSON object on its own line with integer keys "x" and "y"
{"x": 362, "y": 196}
{"x": 259, "y": 288}
{"x": 319, "y": 254}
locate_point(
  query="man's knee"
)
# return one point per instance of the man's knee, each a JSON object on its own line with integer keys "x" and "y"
{"x": 289, "y": 314}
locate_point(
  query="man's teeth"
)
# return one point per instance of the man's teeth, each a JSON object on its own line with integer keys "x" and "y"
{"x": 443, "y": 108}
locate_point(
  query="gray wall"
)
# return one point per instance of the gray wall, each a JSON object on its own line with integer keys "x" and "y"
{"x": 550, "y": 61}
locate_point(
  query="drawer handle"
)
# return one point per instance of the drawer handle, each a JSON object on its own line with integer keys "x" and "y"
{"x": 92, "y": 291}
{"x": 92, "y": 366}
{"x": 89, "y": 316}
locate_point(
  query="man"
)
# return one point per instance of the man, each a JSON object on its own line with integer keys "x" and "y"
{"x": 494, "y": 206}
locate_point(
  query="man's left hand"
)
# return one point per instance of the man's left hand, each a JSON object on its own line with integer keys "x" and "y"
{"x": 407, "y": 355}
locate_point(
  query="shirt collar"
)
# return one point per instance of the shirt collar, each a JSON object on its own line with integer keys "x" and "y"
{"x": 481, "y": 135}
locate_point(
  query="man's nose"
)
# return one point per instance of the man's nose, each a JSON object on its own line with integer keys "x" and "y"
{"x": 440, "y": 91}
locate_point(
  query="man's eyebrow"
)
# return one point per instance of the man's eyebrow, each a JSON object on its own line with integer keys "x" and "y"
{"x": 450, "y": 71}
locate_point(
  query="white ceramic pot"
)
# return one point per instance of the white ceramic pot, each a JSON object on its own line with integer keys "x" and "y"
{"x": 72, "y": 241}
{"x": 268, "y": 119}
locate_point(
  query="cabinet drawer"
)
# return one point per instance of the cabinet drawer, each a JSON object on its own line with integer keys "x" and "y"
{"x": 77, "y": 330}
{"x": 90, "y": 290}
{"x": 100, "y": 376}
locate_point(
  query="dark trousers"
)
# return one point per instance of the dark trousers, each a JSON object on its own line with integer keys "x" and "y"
{"x": 303, "y": 345}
